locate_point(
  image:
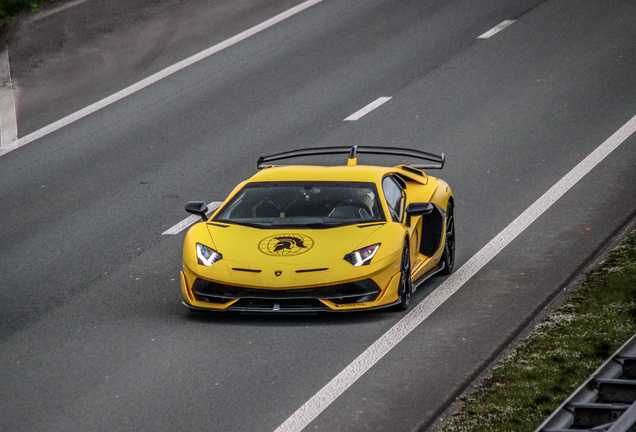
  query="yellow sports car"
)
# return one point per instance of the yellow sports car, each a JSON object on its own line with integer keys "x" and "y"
{"x": 321, "y": 238}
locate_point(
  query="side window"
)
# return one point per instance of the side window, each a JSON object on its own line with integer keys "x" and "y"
{"x": 394, "y": 197}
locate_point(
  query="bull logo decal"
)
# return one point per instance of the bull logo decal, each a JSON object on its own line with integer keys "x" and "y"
{"x": 285, "y": 244}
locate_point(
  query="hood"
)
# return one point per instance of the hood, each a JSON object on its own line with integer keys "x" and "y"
{"x": 311, "y": 247}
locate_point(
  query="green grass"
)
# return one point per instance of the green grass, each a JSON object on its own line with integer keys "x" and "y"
{"x": 560, "y": 354}
{"x": 11, "y": 8}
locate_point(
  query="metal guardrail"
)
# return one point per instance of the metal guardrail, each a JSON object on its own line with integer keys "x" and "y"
{"x": 605, "y": 402}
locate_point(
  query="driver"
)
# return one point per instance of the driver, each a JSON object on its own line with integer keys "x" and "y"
{"x": 364, "y": 196}
{"x": 367, "y": 197}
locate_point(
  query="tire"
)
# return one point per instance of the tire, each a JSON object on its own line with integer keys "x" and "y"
{"x": 405, "y": 289}
{"x": 448, "y": 257}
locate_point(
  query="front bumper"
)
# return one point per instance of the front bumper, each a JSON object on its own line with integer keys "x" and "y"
{"x": 202, "y": 294}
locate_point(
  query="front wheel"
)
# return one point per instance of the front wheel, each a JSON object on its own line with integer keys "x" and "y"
{"x": 448, "y": 257}
{"x": 405, "y": 288}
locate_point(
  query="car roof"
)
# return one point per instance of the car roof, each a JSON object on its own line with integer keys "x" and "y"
{"x": 360, "y": 173}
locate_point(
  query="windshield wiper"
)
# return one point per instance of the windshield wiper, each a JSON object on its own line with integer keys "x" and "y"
{"x": 250, "y": 224}
{"x": 318, "y": 225}
{"x": 314, "y": 223}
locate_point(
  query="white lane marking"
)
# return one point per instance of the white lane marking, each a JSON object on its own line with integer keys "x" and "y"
{"x": 38, "y": 16}
{"x": 190, "y": 220}
{"x": 367, "y": 109}
{"x": 159, "y": 76}
{"x": 8, "y": 123}
{"x": 496, "y": 29}
{"x": 349, "y": 375}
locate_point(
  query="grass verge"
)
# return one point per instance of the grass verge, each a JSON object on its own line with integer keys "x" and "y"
{"x": 11, "y": 8}
{"x": 560, "y": 354}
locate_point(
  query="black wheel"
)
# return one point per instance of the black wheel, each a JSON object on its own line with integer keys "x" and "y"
{"x": 405, "y": 288}
{"x": 448, "y": 258}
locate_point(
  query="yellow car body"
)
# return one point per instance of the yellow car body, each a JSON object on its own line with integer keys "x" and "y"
{"x": 231, "y": 265}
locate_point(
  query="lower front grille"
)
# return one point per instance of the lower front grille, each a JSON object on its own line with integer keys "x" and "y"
{"x": 304, "y": 298}
{"x": 278, "y": 305}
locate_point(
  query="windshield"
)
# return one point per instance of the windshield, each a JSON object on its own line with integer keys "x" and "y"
{"x": 303, "y": 205}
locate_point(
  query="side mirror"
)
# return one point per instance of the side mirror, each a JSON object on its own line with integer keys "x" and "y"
{"x": 418, "y": 209}
{"x": 198, "y": 208}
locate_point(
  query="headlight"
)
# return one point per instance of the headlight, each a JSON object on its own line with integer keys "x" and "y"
{"x": 362, "y": 256}
{"x": 207, "y": 256}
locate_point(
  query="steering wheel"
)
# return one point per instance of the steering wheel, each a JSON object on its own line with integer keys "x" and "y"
{"x": 351, "y": 209}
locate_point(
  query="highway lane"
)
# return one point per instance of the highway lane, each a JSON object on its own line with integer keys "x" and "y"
{"x": 64, "y": 60}
{"x": 109, "y": 347}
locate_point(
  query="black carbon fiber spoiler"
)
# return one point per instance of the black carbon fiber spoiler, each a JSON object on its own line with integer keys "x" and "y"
{"x": 438, "y": 160}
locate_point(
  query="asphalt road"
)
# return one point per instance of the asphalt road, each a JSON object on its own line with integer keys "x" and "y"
{"x": 92, "y": 332}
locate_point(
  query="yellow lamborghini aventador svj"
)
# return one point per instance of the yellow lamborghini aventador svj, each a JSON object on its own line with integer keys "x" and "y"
{"x": 321, "y": 238}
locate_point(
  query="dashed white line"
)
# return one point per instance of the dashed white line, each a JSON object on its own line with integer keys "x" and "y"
{"x": 496, "y": 29}
{"x": 159, "y": 76}
{"x": 190, "y": 220}
{"x": 367, "y": 109}
{"x": 8, "y": 123}
{"x": 341, "y": 382}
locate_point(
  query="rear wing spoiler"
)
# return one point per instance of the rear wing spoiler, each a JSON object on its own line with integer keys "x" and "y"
{"x": 437, "y": 160}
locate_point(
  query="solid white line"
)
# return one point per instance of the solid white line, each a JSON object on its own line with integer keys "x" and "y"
{"x": 493, "y": 31}
{"x": 159, "y": 76}
{"x": 38, "y": 16}
{"x": 341, "y": 382}
{"x": 367, "y": 109}
{"x": 190, "y": 220}
{"x": 8, "y": 123}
